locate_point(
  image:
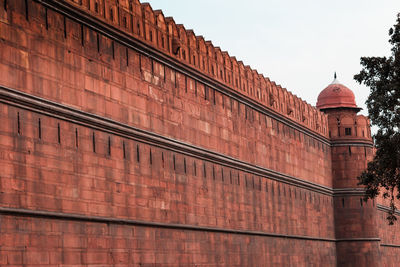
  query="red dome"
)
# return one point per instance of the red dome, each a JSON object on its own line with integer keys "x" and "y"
{"x": 336, "y": 95}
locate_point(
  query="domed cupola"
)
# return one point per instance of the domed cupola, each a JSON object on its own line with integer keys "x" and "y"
{"x": 336, "y": 95}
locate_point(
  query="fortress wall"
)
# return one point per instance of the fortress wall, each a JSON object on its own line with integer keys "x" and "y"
{"x": 387, "y": 233}
{"x": 168, "y": 163}
{"x": 100, "y": 76}
{"x": 60, "y": 166}
{"x": 390, "y": 240}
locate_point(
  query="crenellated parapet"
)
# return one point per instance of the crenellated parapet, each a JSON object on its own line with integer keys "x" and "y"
{"x": 151, "y": 27}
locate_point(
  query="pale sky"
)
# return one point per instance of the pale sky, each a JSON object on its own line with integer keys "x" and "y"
{"x": 297, "y": 44}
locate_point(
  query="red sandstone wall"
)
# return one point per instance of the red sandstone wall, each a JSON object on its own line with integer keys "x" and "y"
{"x": 54, "y": 242}
{"x": 348, "y": 162}
{"x": 45, "y": 174}
{"x": 97, "y": 76}
{"x": 389, "y": 234}
{"x": 74, "y": 168}
{"x": 390, "y": 241}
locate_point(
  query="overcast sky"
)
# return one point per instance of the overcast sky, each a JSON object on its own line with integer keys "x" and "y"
{"x": 297, "y": 44}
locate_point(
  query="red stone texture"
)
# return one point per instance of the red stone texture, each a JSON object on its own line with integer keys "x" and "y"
{"x": 36, "y": 61}
{"x": 42, "y": 242}
{"x": 360, "y": 253}
{"x": 336, "y": 95}
{"x": 389, "y": 237}
{"x": 42, "y": 174}
{"x": 54, "y": 164}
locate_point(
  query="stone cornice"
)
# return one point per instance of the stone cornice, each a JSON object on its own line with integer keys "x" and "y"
{"x": 352, "y": 142}
{"x": 386, "y": 209}
{"x": 367, "y": 239}
{"x": 390, "y": 245}
{"x": 345, "y": 192}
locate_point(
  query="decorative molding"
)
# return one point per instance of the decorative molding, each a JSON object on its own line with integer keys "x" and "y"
{"x": 371, "y": 239}
{"x": 390, "y": 245}
{"x": 125, "y": 39}
{"x": 353, "y": 142}
{"x": 386, "y": 209}
{"x": 346, "y": 192}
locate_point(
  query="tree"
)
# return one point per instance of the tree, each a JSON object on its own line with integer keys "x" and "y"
{"x": 382, "y": 76}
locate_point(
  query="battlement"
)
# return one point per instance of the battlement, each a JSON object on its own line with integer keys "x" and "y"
{"x": 150, "y": 26}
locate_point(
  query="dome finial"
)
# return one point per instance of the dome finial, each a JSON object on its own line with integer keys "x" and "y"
{"x": 334, "y": 76}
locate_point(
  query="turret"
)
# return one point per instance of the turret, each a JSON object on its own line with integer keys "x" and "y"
{"x": 352, "y": 147}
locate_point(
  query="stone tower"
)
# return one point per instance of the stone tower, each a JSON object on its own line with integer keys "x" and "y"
{"x": 352, "y": 147}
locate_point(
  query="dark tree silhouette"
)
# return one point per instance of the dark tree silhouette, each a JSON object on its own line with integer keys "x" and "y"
{"x": 382, "y": 76}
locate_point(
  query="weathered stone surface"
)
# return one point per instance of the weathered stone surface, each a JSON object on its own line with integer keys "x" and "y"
{"x": 164, "y": 159}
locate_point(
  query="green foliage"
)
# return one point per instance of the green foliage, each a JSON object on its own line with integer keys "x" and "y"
{"x": 382, "y": 76}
